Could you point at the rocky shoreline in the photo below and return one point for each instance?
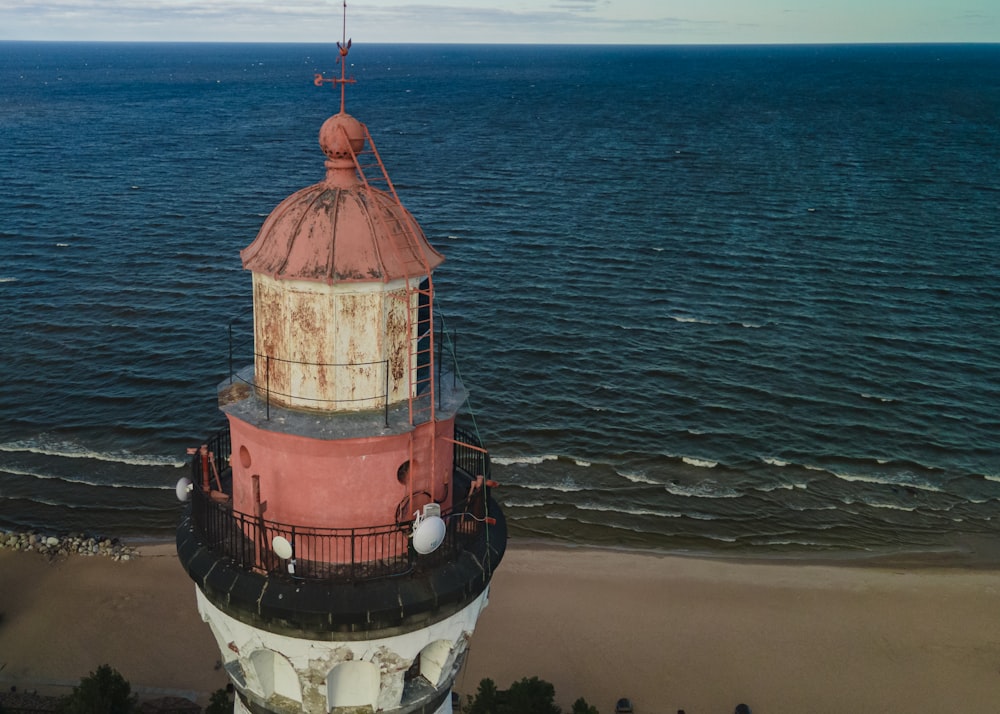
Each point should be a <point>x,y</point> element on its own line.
<point>57,546</point>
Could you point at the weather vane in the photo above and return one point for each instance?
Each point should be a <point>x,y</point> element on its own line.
<point>344,46</point>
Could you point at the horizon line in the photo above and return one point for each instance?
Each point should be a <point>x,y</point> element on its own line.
<point>837,43</point>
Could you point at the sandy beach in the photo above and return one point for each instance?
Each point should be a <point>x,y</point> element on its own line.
<point>670,632</point>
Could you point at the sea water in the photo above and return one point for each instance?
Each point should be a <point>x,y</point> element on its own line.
<point>711,299</point>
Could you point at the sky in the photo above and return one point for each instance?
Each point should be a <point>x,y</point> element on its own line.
<point>506,21</point>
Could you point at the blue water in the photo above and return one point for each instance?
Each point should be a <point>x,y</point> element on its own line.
<point>714,299</point>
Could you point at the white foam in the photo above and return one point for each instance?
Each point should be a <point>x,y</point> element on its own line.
<point>702,489</point>
<point>628,511</point>
<point>700,463</point>
<point>564,487</point>
<point>639,478</point>
<point>884,481</point>
<point>776,487</point>
<point>8,280</point>
<point>803,509</point>
<point>775,462</point>
<point>880,504</point>
<point>83,481</point>
<point>694,320</point>
<point>535,460</point>
<point>876,397</point>
<point>701,516</point>
<point>529,460</point>
<point>512,503</point>
<point>75,451</point>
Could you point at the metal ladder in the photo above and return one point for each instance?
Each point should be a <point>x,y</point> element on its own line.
<point>419,298</point>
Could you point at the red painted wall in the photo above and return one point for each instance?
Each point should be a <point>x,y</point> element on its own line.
<point>341,483</point>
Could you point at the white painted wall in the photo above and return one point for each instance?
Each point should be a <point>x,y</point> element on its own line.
<point>309,676</point>
<point>353,684</point>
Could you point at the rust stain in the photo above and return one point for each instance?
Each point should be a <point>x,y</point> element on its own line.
<point>232,393</point>
<point>395,335</point>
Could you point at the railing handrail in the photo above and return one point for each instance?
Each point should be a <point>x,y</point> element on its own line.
<point>445,341</point>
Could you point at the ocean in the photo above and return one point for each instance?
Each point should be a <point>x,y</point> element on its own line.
<point>720,300</point>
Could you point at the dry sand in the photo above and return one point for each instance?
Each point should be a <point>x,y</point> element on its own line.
<point>669,632</point>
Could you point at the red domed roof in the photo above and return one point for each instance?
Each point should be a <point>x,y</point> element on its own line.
<point>341,229</point>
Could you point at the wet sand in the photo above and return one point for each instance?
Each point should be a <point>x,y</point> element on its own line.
<point>670,632</point>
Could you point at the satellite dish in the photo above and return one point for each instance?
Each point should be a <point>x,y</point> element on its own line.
<point>282,548</point>
<point>183,490</point>
<point>428,530</point>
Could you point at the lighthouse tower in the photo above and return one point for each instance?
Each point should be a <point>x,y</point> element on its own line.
<point>340,530</point>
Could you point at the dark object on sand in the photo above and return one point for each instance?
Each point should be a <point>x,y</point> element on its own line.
<point>624,706</point>
<point>742,709</point>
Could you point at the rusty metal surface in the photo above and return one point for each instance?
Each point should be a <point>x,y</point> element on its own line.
<point>329,347</point>
<point>340,234</point>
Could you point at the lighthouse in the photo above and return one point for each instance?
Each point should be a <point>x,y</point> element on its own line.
<point>340,530</point>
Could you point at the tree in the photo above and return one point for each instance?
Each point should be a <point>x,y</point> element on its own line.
<point>219,703</point>
<point>103,692</point>
<point>485,701</point>
<point>531,696</point>
<point>580,706</point>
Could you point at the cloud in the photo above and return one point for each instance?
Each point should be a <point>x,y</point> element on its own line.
<point>568,19</point>
<point>299,20</point>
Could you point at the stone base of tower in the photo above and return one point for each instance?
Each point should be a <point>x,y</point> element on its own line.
<point>407,673</point>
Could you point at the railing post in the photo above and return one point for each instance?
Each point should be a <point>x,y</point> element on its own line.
<point>387,393</point>
<point>353,570</point>
<point>440,351</point>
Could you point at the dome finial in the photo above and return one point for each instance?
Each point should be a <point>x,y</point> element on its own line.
<point>344,46</point>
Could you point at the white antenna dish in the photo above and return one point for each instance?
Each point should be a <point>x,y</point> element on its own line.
<point>183,490</point>
<point>282,548</point>
<point>428,529</point>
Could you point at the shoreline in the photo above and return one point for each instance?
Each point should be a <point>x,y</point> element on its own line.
<point>670,632</point>
<point>942,557</point>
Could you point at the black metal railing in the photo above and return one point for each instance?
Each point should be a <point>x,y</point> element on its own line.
<point>218,449</point>
<point>342,554</point>
<point>470,456</point>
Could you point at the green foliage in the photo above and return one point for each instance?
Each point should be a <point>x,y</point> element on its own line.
<point>531,696</point>
<point>103,692</point>
<point>485,701</point>
<point>527,696</point>
<point>219,703</point>
<point>580,706</point>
